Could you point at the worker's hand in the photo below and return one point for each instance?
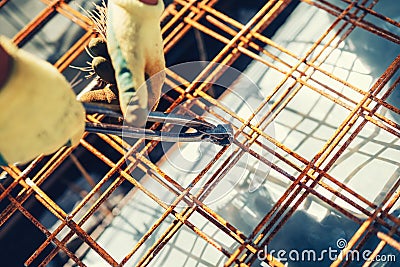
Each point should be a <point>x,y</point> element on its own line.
<point>101,65</point>
<point>39,112</point>
<point>133,48</point>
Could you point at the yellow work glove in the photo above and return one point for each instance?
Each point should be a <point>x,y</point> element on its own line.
<point>134,47</point>
<point>39,112</point>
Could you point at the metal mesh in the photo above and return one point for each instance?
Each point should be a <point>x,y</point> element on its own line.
<point>304,175</point>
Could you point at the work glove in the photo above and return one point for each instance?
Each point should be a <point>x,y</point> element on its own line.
<point>39,110</point>
<point>134,47</point>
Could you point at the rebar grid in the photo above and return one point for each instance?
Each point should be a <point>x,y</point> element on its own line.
<point>304,176</point>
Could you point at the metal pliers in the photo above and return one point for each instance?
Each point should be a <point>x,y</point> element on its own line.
<point>221,134</point>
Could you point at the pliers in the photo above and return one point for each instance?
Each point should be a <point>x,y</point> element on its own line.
<point>221,134</point>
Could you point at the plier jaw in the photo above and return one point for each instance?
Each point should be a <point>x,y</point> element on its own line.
<point>221,134</point>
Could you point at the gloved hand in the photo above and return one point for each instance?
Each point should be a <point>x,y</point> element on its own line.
<point>39,112</point>
<point>134,47</point>
<point>101,65</point>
